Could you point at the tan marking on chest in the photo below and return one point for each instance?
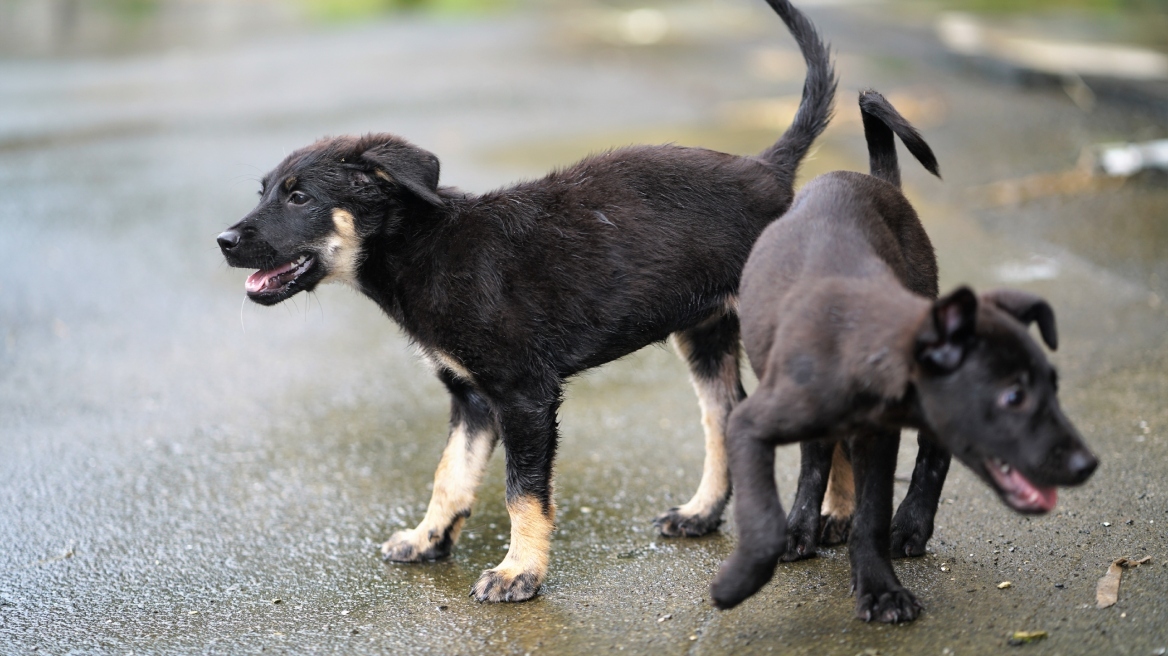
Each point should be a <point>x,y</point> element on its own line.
<point>341,251</point>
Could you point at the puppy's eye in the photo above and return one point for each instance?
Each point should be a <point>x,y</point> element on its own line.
<point>1012,398</point>
<point>298,198</point>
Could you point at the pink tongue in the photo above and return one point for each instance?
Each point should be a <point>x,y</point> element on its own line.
<point>259,280</point>
<point>1030,495</point>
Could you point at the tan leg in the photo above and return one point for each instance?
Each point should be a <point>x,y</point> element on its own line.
<point>839,502</point>
<point>520,575</point>
<point>458,476</point>
<point>714,400</point>
<point>712,353</point>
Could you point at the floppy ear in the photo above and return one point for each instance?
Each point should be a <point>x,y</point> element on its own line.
<point>947,333</point>
<point>409,166</point>
<point>1027,308</point>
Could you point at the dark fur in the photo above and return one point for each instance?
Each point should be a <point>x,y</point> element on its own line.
<point>526,286</point>
<point>913,524</point>
<point>843,347</point>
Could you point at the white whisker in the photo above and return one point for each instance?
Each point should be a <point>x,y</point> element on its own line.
<point>241,324</point>
<point>319,305</point>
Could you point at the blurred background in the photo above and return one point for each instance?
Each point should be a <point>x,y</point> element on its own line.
<point>182,471</point>
<point>104,27</point>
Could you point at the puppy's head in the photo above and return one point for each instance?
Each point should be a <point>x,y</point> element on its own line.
<point>987,389</point>
<point>319,207</point>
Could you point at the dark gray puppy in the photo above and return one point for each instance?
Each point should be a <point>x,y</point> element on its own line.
<point>843,349</point>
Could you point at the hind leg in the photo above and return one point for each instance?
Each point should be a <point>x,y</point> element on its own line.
<point>839,504</point>
<point>824,500</point>
<point>913,524</point>
<point>803,522</point>
<point>712,351</point>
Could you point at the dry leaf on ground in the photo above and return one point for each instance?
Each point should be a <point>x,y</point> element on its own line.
<point>1107,590</point>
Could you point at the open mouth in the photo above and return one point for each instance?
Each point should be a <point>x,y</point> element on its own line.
<point>279,280</point>
<point>1017,491</point>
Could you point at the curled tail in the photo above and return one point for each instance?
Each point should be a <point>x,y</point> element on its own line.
<point>881,121</point>
<point>818,92</point>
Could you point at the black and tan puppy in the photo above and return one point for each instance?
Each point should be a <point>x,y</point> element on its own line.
<point>843,347</point>
<point>511,292</point>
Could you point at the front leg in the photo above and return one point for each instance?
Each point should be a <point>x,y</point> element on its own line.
<point>913,525</point>
<point>473,433</point>
<point>529,437</point>
<point>879,594</point>
<point>757,509</point>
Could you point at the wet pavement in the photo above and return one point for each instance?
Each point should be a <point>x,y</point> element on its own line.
<point>182,472</point>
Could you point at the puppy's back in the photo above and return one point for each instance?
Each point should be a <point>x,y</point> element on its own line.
<point>844,224</point>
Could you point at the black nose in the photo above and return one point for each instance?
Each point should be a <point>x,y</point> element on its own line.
<point>228,239</point>
<point>1082,464</point>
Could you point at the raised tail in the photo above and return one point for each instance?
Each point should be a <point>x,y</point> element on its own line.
<point>881,121</point>
<point>818,92</point>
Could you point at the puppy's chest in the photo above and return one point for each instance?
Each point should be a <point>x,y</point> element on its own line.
<point>868,410</point>
<point>876,371</point>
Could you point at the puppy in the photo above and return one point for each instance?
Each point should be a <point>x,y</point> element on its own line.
<point>843,347</point>
<point>825,496</point>
<point>512,292</point>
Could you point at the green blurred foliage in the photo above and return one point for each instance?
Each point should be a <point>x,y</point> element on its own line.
<point>344,10</point>
<point>130,9</point>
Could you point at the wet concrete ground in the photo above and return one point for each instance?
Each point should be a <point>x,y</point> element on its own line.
<point>182,473</point>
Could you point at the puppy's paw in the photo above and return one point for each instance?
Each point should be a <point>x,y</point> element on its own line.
<point>802,537</point>
<point>503,585</point>
<point>834,530</point>
<point>889,606</point>
<point>677,524</point>
<point>415,546</point>
<point>799,547</point>
<point>910,534</point>
<point>740,577</point>
<point>907,543</point>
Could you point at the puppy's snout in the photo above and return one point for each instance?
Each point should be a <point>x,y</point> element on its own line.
<point>229,239</point>
<point>1081,464</point>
